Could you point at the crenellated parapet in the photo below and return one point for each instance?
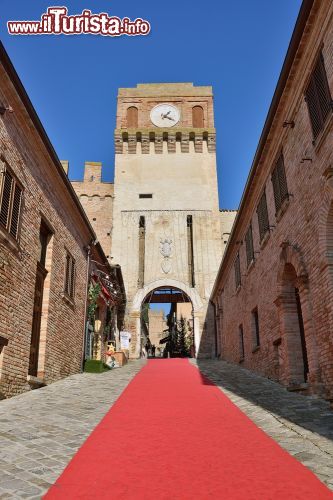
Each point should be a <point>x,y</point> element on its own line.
<point>158,141</point>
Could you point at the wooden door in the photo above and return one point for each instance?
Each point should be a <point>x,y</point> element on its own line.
<point>36,320</point>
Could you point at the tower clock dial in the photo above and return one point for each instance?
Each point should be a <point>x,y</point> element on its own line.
<point>165,115</point>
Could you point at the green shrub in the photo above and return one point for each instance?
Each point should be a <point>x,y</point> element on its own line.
<point>95,366</point>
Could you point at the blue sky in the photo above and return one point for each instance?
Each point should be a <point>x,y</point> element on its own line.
<point>238,47</point>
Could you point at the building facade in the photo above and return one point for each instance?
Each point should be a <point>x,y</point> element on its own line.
<point>48,251</point>
<point>273,295</point>
<point>167,226</point>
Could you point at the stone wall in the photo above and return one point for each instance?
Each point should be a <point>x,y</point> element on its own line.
<point>163,176</point>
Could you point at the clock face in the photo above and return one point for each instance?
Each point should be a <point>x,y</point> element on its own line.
<point>165,115</point>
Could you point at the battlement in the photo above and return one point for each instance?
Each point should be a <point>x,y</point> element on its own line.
<point>158,141</point>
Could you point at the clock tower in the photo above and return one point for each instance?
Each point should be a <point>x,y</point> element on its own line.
<point>167,226</point>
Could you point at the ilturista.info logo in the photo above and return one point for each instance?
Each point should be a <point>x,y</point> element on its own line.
<point>56,21</point>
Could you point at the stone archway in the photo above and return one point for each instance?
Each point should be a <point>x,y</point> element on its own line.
<point>141,294</point>
<point>298,340</point>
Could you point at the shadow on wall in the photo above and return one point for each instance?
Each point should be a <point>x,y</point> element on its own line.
<point>309,412</point>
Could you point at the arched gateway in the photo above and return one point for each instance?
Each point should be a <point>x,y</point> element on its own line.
<point>166,224</point>
<point>168,291</point>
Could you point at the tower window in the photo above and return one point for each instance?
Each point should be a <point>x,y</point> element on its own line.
<point>145,195</point>
<point>197,117</point>
<point>132,117</point>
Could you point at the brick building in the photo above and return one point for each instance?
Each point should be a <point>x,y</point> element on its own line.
<point>47,251</point>
<point>274,292</point>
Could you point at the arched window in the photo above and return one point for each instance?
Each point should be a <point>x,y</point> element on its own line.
<point>197,117</point>
<point>132,117</point>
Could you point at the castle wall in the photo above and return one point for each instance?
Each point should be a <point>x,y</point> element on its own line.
<point>96,197</point>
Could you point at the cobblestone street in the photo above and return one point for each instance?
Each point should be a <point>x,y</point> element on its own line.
<point>41,430</point>
<point>302,425</point>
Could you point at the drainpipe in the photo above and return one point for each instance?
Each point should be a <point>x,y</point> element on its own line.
<point>86,305</point>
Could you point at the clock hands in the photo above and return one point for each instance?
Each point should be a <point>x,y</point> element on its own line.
<point>165,115</point>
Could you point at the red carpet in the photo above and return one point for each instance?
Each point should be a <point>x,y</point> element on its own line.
<point>173,435</point>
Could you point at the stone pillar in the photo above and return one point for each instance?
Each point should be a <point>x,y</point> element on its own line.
<point>132,143</point>
<point>134,327</point>
<point>158,144</point>
<point>145,144</point>
<point>171,143</point>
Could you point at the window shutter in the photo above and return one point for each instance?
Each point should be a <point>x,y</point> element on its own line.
<point>249,245</point>
<point>6,198</point>
<point>322,87</point>
<point>263,216</point>
<point>313,107</point>
<point>16,209</point>
<point>281,172</point>
<point>279,182</point>
<point>318,97</point>
<point>276,189</point>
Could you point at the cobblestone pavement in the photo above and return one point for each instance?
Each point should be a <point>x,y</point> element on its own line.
<point>41,430</point>
<point>302,425</point>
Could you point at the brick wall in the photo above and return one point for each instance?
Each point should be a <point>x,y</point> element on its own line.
<point>297,251</point>
<point>47,195</point>
<point>96,198</point>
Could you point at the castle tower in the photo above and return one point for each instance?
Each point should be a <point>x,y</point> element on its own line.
<point>166,220</point>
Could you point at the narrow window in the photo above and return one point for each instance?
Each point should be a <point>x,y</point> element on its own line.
<point>142,237</point>
<point>318,97</point>
<point>197,117</point>
<point>10,203</point>
<point>263,216</point>
<point>249,245</point>
<point>69,288</point>
<point>132,117</point>
<point>241,343</point>
<point>145,195</point>
<point>191,277</point>
<point>238,279</point>
<point>279,182</point>
<point>255,328</point>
